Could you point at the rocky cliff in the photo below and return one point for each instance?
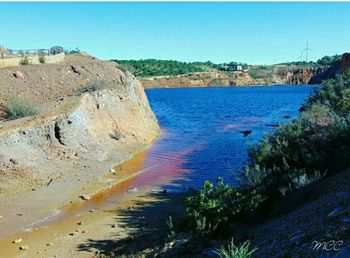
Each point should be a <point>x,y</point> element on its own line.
<point>204,79</point>
<point>91,116</point>
<point>339,67</point>
<point>275,75</point>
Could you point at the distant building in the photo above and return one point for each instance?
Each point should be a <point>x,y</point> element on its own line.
<point>224,66</point>
<point>231,67</point>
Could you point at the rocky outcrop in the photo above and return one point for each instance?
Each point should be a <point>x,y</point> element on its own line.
<point>75,135</point>
<point>314,75</point>
<point>295,76</point>
<point>330,72</point>
<point>205,79</point>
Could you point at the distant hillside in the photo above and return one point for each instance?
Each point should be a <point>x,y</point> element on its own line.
<point>324,61</point>
<point>153,67</point>
<point>179,74</point>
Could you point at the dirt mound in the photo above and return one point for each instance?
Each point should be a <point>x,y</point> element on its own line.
<point>83,104</point>
<point>48,82</point>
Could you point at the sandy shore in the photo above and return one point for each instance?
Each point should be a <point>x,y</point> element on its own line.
<point>73,227</point>
<point>101,231</point>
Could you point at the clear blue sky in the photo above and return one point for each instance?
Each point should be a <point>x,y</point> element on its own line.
<point>219,32</point>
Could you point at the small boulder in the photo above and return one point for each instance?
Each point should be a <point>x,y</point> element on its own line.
<point>112,170</point>
<point>246,132</point>
<point>13,161</point>
<point>18,75</point>
<point>84,197</point>
<point>24,247</point>
<point>75,69</point>
<point>132,190</point>
<point>18,240</point>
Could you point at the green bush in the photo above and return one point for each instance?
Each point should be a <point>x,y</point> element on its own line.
<point>20,107</point>
<point>217,82</point>
<point>41,58</point>
<point>171,229</point>
<point>328,60</point>
<point>95,86</point>
<point>209,210</point>
<point>233,251</point>
<point>24,61</point>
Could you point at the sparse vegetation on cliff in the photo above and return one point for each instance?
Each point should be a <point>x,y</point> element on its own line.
<point>24,61</point>
<point>261,72</point>
<point>96,86</point>
<point>20,107</point>
<point>41,58</point>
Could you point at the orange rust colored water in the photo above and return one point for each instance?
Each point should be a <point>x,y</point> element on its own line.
<point>125,173</point>
<point>142,172</point>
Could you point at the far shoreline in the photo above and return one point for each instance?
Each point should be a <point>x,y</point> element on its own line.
<point>232,86</point>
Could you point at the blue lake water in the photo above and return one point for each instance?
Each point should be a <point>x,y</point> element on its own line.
<point>202,129</point>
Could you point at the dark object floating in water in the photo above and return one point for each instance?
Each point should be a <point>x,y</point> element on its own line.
<point>286,117</point>
<point>246,133</point>
<point>272,125</point>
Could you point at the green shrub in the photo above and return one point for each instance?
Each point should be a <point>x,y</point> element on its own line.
<point>24,61</point>
<point>41,58</point>
<point>209,210</point>
<point>19,107</point>
<point>171,229</point>
<point>233,251</point>
<point>260,72</point>
<point>217,82</point>
<point>94,86</point>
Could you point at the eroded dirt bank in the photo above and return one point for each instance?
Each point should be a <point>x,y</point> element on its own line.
<point>270,75</point>
<point>91,116</point>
